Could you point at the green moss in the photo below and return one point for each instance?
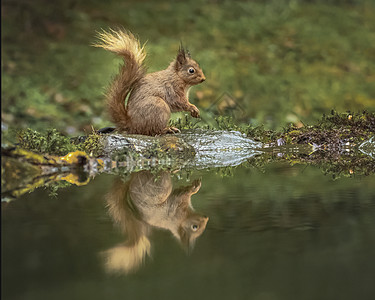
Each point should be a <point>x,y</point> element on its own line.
<point>50,142</point>
<point>92,145</point>
<point>333,130</point>
<point>55,143</point>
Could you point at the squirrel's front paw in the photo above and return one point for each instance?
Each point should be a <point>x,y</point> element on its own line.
<point>194,111</point>
<point>170,130</point>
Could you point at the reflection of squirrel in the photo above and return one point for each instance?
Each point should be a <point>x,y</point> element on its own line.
<point>145,202</point>
<point>151,97</point>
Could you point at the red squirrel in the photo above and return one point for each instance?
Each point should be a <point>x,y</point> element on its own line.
<point>147,202</point>
<point>153,96</point>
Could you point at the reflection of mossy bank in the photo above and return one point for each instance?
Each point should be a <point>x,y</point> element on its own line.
<point>23,171</point>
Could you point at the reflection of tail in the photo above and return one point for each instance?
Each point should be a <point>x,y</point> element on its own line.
<point>125,259</point>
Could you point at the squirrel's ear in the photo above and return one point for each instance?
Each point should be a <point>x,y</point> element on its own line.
<point>181,57</point>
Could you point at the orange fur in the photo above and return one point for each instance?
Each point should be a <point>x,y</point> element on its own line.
<point>145,202</point>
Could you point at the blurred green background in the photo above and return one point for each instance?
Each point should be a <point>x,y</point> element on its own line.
<point>270,62</point>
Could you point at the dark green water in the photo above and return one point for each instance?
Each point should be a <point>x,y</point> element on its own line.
<point>281,233</point>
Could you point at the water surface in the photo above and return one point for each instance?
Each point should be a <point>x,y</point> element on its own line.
<point>282,232</point>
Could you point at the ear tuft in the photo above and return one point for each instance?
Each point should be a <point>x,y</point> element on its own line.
<point>181,56</point>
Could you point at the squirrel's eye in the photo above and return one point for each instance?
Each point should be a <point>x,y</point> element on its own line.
<point>191,70</point>
<point>194,227</point>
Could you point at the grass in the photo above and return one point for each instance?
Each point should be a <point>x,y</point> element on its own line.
<point>282,62</point>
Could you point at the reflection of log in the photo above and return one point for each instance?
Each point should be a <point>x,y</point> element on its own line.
<point>368,147</point>
<point>199,149</point>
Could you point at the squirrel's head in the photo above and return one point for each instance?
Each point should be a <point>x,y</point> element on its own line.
<point>190,229</point>
<point>188,69</point>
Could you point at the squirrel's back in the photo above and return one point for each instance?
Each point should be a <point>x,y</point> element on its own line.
<point>126,45</point>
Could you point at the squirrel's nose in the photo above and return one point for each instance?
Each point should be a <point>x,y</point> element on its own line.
<point>203,79</point>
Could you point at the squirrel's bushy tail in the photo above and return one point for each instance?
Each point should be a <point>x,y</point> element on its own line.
<point>127,259</point>
<point>129,256</point>
<point>125,44</point>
